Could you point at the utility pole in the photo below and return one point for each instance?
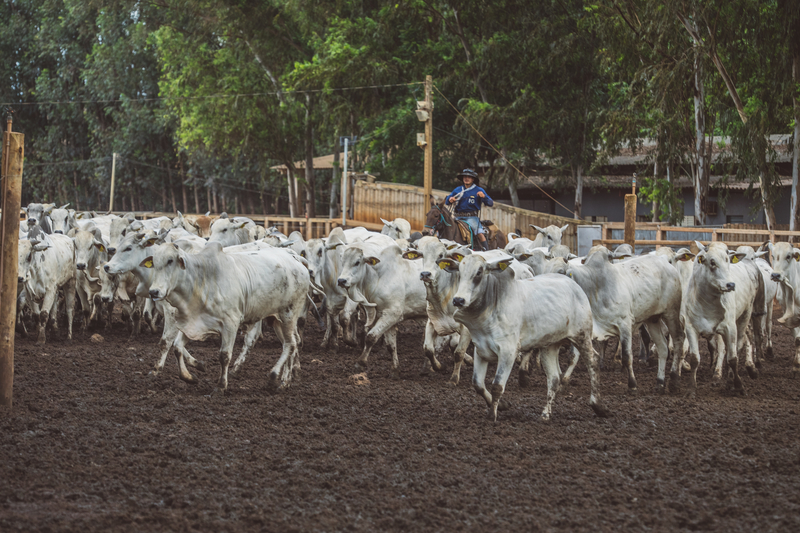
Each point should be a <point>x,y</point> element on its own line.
<point>630,215</point>
<point>427,107</point>
<point>11,182</point>
<point>113,168</point>
<point>345,178</point>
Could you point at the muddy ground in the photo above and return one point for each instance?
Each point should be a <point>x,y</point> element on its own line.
<point>94,443</point>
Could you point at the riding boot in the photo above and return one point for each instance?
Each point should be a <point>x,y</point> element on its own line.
<point>483,245</point>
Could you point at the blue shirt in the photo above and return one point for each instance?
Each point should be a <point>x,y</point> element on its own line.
<point>470,201</point>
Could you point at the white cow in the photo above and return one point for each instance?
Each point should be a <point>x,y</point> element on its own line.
<point>388,286</point>
<point>719,300</point>
<point>199,225</point>
<point>626,295</point>
<point>398,228</point>
<point>215,293</point>
<point>229,231</point>
<point>62,220</point>
<point>90,255</point>
<point>44,268</point>
<point>500,314</point>
<point>123,286</point>
<point>133,249</point>
<point>786,275</point>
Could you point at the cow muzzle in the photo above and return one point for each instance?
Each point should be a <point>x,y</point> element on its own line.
<point>155,294</point>
<point>31,221</point>
<point>106,299</point>
<point>729,287</point>
<point>459,302</point>
<point>776,277</point>
<point>425,276</point>
<point>20,279</point>
<point>342,282</point>
<point>81,266</point>
<point>111,250</point>
<point>105,267</point>
<point>59,232</point>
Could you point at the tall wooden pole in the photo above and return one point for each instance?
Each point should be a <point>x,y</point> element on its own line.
<point>428,176</point>
<point>13,157</point>
<point>630,216</point>
<point>113,169</point>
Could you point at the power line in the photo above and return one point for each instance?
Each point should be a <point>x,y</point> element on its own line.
<point>211,96</point>
<point>499,153</point>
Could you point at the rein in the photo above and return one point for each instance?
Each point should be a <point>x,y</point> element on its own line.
<point>442,220</point>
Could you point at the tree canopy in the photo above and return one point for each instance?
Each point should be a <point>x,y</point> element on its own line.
<point>201,98</point>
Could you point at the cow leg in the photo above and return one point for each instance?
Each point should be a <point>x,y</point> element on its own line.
<point>280,375</point>
<point>85,308</point>
<point>654,328</point>
<point>47,304</point>
<point>745,330</point>
<point>644,344</point>
<point>505,363</point>
<point>429,346</point>
<point>69,303</point>
<point>525,368</point>
<point>796,360</point>
<point>575,356</point>
<point>390,338</point>
<point>229,329</point>
<point>251,335</point>
<point>583,348</point>
<point>731,339</point>
<point>480,365</point>
<point>549,359</point>
<point>383,324</point>
<point>627,356</point>
<point>720,349</point>
<point>459,355</point>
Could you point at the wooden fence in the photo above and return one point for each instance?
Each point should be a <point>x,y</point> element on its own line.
<point>733,235</point>
<point>373,201</point>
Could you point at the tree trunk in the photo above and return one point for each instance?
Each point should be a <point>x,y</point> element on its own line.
<point>333,205</point>
<point>183,190</point>
<point>292,185</point>
<point>577,172</point>
<point>701,166</point>
<point>310,185</point>
<point>796,148</point>
<point>510,178</point>
<point>214,197</point>
<point>208,200</point>
<point>77,192</point>
<point>171,189</point>
<point>656,213</point>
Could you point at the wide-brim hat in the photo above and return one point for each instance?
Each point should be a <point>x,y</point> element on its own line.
<point>468,172</point>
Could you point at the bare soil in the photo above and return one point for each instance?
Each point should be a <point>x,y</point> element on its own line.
<point>94,443</point>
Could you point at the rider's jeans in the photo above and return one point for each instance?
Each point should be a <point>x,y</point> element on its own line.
<point>474,223</point>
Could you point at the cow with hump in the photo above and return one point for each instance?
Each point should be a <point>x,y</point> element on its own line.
<point>625,295</point>
<point>507,316</point>
<point>215,293</point>
<point>786,273</point>
<point>719,300</point>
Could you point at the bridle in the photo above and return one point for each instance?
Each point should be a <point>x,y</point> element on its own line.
<point>442,221</point>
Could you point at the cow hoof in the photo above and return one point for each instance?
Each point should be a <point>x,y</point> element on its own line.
<point>770,355</point>
<point>565,384</point>
<point>503,405</point>
<point>716,381</point>
<point>633,392</point>
<point>759,365</point>
<point>690,394</point>
<point>752,372</point>
<point>394,373</point>
<point>601,410</point>
<point>662,390</point>
<point>545,418</point>
<point>468,359</point>
<point>190,379</point>
<point>453,382</point>
<point>200,366</point>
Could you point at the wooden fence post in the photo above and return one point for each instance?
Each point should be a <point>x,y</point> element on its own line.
<point>13,157</point>
<point>630,220</point>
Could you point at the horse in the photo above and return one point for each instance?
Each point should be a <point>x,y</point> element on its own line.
<point>440,220</point>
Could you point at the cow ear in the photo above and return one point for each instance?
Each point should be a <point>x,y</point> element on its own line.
<point>448,265</point>
<point>564,228</point>
<point>500,265</point>
<point>458,256</point>
<point>522,257</point>
<point>761,253</point>
<point>147,263</point>
<point>99,246</point>
<point>537,228</point>
<point>701,259</point>
<point>182,262</point>
<point>796,255</point>
<point>150,242</point>
<point>687,256</point>
<point>372,261</point>
<point>243,224</point>
<point>412,254</point>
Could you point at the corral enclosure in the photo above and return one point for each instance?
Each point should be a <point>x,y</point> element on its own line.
<point>95,444</point>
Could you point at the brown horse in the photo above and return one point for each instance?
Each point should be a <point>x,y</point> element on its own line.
<point>440,220</point>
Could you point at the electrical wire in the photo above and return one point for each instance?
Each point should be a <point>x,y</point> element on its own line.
<point>499,153</point>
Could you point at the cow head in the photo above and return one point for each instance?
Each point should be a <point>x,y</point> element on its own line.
<point>785,258</point>
<point>133,248</point>
<point>230,231</point>
<point>431,251</point>
<point>62,220</point>
<point>89,248</point>
<point>551,235</point>
<point>476,274</point>
<point>109,283</point>
<point>166,264</point>
<point>119,228</point>
<point>354,266</point>
<point>27,253</point>
<point>712,268</point>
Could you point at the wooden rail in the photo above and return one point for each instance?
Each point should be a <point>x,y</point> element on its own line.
<point>747,236</point>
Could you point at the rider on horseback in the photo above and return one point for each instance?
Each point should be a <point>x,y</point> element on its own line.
<point>470,196</point>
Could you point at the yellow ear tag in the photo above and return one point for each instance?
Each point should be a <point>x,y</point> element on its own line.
<point>734,260</point>
<point>148,264</point>
<point>502,266</point>
<point>458,257</point>
<point>797,257</point>
<point>102,248</point>
<point>412,255</point>
<point>701,259</point>
<point>444,265</point>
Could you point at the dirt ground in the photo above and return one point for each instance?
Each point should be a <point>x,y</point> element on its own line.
<point>94,443</point>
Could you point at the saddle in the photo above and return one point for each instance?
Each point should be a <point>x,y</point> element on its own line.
<point>466,231</point>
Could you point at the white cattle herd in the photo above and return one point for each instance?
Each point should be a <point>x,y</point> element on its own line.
<point>214,276</point>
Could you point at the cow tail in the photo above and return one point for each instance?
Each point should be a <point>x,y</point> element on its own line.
<point>320,322</point>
